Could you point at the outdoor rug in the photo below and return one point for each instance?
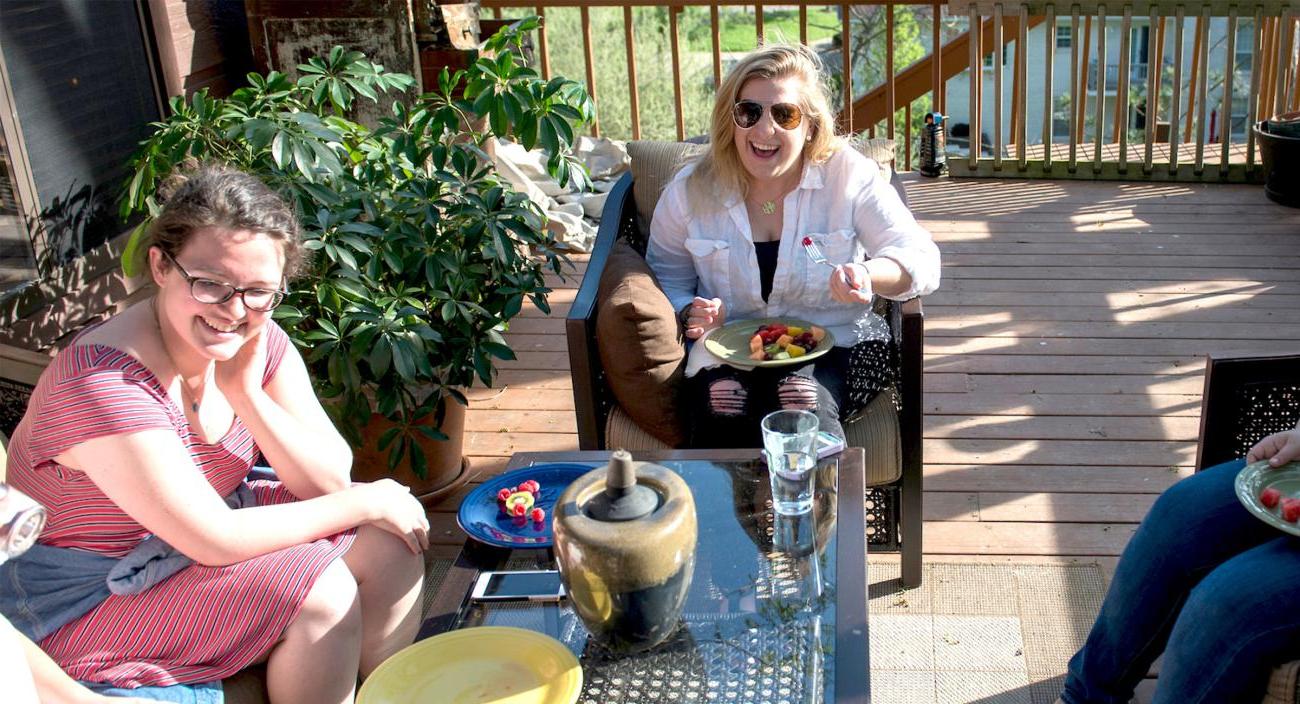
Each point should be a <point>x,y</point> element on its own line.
<point>986,633</point>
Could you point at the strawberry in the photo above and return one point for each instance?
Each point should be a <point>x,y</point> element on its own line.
<point>1269,497</point>
<point>537,514</point>
<point>1290,510</point>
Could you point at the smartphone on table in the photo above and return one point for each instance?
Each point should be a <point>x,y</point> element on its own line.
<point>828,444</point>
<point>527,585</point>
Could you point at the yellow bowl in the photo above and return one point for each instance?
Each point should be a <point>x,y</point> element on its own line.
<point>493,664</point>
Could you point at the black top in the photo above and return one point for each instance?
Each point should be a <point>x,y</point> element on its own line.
<point>766,252</point>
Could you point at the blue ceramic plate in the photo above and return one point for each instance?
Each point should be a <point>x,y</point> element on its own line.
<point>481,517</point>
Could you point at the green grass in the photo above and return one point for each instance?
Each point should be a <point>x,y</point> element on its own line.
<point>737,28</point>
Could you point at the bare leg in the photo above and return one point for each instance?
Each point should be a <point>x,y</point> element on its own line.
<point>390,580</point>
<point>316,660</point>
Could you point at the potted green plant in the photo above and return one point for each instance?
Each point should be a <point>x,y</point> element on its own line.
<point>422,254</point>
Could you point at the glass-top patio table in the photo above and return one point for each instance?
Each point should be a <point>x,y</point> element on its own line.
<point>777,608</point>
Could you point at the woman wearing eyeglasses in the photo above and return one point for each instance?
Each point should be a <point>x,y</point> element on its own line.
<point>727,243</point>
<point>148,425</point>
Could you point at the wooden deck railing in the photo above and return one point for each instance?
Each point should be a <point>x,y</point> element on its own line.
<point>1197,145</point>
<point>1198,130</point>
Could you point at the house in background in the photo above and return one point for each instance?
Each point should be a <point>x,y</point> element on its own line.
<point>1140,37</point>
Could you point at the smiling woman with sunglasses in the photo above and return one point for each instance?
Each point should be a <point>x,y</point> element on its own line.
<point>747,231</point>
<point>148,424</point>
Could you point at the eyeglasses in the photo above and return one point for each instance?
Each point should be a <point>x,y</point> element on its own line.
<point>209,291</point>
<point>747,113</point>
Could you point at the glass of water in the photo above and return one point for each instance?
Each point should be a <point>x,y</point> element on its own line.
<point>790,444</point>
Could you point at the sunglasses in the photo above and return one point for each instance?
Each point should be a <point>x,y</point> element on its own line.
<point>747,113</point>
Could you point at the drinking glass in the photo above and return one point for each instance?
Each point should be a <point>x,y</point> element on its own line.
<point>790,444</point>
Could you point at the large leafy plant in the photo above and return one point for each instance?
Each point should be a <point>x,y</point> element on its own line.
<point>422,254</point>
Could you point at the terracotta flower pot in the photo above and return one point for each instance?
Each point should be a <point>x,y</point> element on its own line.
<point>448,469</point>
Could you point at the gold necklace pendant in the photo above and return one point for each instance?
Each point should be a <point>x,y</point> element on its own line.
<point>768,207</point>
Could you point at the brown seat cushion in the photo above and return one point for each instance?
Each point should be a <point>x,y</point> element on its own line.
<point>653,166</point>
<point>641,344</point>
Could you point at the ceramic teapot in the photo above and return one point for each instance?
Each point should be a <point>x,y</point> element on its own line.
<point>625,541</point>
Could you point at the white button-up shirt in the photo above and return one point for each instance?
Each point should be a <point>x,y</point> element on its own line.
<point>844,204</point>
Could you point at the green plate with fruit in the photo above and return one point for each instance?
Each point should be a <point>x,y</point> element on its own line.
<point>1255,479</point>
<point>731,342</point>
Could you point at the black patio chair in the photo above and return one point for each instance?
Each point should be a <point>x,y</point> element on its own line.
<point>1247,399</point>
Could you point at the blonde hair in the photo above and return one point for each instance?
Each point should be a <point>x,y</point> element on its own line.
<point>719,171</point>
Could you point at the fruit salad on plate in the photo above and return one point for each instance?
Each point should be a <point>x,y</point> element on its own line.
<point>778,341</point>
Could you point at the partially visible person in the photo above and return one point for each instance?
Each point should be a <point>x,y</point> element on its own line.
<point>27,674</point>
<point>138,441</point>
<point>727,243</point>
<point>1207,584</point>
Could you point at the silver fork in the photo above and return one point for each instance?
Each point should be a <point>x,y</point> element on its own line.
<point>815,252</point>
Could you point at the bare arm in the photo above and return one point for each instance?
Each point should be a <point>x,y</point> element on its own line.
<point>151,476</point>
<point>287,422</point>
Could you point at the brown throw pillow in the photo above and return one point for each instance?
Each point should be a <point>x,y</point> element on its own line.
<point>641,344</point>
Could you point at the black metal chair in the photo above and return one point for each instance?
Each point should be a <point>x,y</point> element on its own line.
<point>892,438</point>
<point>1247,399</point>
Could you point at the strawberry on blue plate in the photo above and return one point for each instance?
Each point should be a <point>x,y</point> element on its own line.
<point>482,518</point>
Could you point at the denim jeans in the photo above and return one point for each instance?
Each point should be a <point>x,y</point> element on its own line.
<point>1208,584</point>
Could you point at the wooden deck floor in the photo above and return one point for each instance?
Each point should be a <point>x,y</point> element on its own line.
<point>1064,355</point>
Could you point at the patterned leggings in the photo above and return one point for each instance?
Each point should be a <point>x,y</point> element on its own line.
<point>728,403</point>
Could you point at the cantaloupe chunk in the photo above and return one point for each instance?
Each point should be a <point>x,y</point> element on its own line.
<point>784,340</point>
<point>756,343</point>
<point>817,333</point>
<point>759,355</point>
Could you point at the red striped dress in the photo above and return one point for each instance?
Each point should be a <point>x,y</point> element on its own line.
<point>201,624</point>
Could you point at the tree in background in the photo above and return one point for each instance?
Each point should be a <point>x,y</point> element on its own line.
<point>654,69</point>
<point>654,58</point>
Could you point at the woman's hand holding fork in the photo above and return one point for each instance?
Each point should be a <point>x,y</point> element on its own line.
<point>851,283</point>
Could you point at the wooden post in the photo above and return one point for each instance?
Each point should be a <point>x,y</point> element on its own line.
<point>629,36</point>
<point>591,65</point>
<point>1049,55</point>
<point>976,33</point>
<point>673,43</point>
<point>541,42</point>
<point>998,19</point>
<point>1191,78</point>
<point>890,107</point>
<point>846,56</point>
<point>1082,105</point>
<point>1228,71</point>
